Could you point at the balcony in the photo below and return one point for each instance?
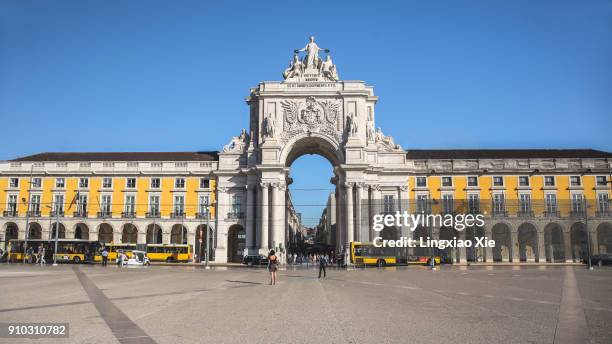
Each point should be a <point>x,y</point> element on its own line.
<point>80,213</point>
<point>152,214</point>
<point>577,214</point>
<point>9,213</point>
<point>525,213</point>
<point>552,213</point>
<point>603,213</point>
<point>56,213</point>
<point>204,215</point>
<point>105,214</point>
<point>34,213</point>
<point>128,214</point>
<point>499,213</point>
<point>235,215</point>
<point>177,215</point>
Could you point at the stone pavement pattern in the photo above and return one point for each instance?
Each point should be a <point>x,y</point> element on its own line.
<point>163,304</point>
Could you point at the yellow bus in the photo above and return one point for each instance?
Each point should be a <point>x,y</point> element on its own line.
<point>113,248</point>
<point>68,250</point>
<point>170,253</point>
<point>365,253</point>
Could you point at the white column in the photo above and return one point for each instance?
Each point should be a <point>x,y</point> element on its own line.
<point>541,254</point>
<point>250,230</point>
<point>350,234</point>
<point>280,218</point>
<point>376,207</point>
<point>358,212</point>
<point>488,257</point>
<point>515,255</point>
<point>264,218</point>
<point>568,247</point>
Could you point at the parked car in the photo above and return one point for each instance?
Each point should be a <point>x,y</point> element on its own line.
<point>255,259</point>
<point>605,259</point>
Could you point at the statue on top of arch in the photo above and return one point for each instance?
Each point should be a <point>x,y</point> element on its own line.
<point>237,143</point>
<point>311,67</point>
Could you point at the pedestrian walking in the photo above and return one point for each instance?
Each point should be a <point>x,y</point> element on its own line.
<point>42,253</point>
<point>272,267</point>
<point>104,257</point>
<point>322,264</point>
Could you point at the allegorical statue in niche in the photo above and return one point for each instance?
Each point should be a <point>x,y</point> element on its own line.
<point>295,69</point>
<point>268,126</point>
<point>312,53</point>
<point>351,125</point>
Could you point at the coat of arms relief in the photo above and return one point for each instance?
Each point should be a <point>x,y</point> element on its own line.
<point>311,116</point>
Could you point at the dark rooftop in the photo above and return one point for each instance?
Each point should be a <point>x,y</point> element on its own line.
<point>122,156</point>
<point>505,153</point>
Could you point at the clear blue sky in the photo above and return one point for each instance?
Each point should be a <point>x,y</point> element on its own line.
<point>173,75</point>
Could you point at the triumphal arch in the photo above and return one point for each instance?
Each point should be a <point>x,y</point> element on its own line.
<point>311,111</point>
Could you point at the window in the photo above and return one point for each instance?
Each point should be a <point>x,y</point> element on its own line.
<point>13,182</point>
<point>130,204</point>
<point>154,205</point>
<point>388,204</point>
<point>83,182</point>
<point>575,181</point>
<point>36,182</point>
<point>204,183</point>
<point>203,204</point>
<point>130,183</point>
<point>499,206</point>
<point>105,205</point>
<point>422,204</point>
<point>421,182</point>
<point>447,181</point>
<point>132,164</point>
<point>472,181</point>
<point>35,205</point>
<point>58,204</point>
<point>156,164</point>
<point>523,181</point>
<point>577,203</point>
<point>473,203</point>
<point>180,164</point>
<point>108,164</point>
<point>155,183</point>
<point>107,183</point>
<point>603,202</point>
<point>551,203</point>
<point>447,202</point>
<point>179,205</point>
<point>179,183</point>
<point>60,182</point>
<point>498,181</point>
<point>525,203</point>
<point>549,181</point>
<point>11,206</point>
<point>82,205</point>
<point>236,205</point>
<point>601,181</point>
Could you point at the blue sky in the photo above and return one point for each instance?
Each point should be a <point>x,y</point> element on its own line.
<point>173,75</point>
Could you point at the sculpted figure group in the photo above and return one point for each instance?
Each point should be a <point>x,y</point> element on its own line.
<point>311,61</point>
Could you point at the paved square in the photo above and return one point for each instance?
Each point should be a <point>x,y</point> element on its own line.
<point>166,304</point>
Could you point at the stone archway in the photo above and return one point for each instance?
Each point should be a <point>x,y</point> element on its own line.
<point>527,242</point>
<point>421,233</point>
<point>236,244</point>
<point>129,234</point>
<point>178,234</point>
<point>554,243</point>
<point>154,234</point>
<point>579,239</point>
<point>62,231</point>
<point>604,238</point>
<point>81,231</point>
<point>502,252</point>
<point>200,248</point>
<point>11,231</point>
<point>35,231</point>
<point>105,233</point>
<point>448,255</point>
<point>474,254</point>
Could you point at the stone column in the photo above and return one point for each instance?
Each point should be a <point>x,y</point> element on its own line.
<point>280,217</point>
<point>358,212</point>
<point>141,237</point>
<point>462,250</point>
<point>567,244</point>
<point>264,219</point>
<point>376,207</point>
<point>594,243</point>
<point>250,230</point>
<point>488,257</point>
<point>403,206</point>
<point>165,237</point>
<point>350,234</point>
<point>541,254</point>
<point>515,255</point>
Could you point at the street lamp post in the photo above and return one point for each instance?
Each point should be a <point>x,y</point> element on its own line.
<point>207,233</point>
<point>586,223</point>
<point>27,221</point>
<point>57,206</point>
